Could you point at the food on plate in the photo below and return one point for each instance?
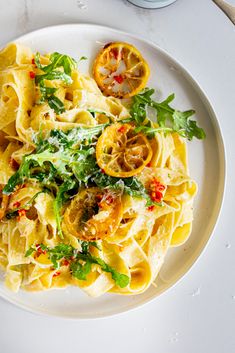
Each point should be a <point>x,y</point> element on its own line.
<point>121,152</point>
<point>120,70</point>
<point>92,192</point>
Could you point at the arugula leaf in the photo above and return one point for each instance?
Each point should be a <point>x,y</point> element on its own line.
<point>57,61</point>
<point>85,168</point>
<point>120,279</point>
<point>168,118</point>
<point>46,92</point>
<point>132,186</point>
<point>60,162</point>
<point>64,161</point>
<point>82,58</point>
<point>56,104</point>
<point>30,251</point>
<point>61,150</point>
<point>37,61</point>
<point>86,244</point>
<point>54,75</point>
<point>80,271</point>
<point>150,130</point>
<point>18,178</point>
<point>80,262</point>
<point>59,252</point>
<point>140,102</point>
<point>81,133</point>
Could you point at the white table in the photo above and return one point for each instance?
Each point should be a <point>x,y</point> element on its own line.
<point>198,314</point>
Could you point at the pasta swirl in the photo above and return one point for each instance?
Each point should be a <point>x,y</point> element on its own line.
<point>75,207</point>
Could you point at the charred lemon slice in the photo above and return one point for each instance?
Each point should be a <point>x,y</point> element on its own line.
<point>93,214</point>
<point>122,153</point>
<point>120,70</point>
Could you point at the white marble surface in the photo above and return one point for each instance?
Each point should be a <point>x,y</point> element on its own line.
<point>198,314</point>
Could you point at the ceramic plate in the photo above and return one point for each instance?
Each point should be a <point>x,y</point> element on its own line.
<point>206,159</point>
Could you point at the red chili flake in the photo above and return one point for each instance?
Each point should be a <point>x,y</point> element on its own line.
<point>151,208</point>
<point>121,129</point>
<point>99,198</point>
<point>161,187</point>
<point>109,199</point>
<point>57,273</point>
<point>119,79</point>
<point>16,204</point>
<point>33,61</point>
<point>22,213</point>
<point>156,196</point>
<point>102,171</point>
<point>32,74</point>
<point>65,262</point>
<point>155,185</point>
<point>39,250</point>
<point>156,189</point>
<point>148,165</point>
<point>13,163</point>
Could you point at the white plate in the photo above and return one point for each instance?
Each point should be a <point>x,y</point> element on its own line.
<point>206,158</point>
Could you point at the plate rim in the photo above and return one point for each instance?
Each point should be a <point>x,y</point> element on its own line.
<point>222,161</point>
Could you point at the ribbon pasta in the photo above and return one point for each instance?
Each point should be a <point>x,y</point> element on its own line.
<point>139,244</point>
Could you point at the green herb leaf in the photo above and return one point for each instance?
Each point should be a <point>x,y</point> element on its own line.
<point>54,75</point>
<point>59,252</point>
<point>61,162</point>
<point>132,186</point>
<point>82,58</point>
<point>150,130</point>
<point>30,251</point>
<point>168,118</point>
<point>46,92</point>
<point>86,244</point>
<point>58,61</point>
<point>80,271</point>
<point>56,104</point>
<point>37,61</point>
<point>18,178</point>
<point>80,262</point>
<point>120,279</point>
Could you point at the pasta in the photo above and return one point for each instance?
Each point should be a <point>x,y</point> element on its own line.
<point>86,198</point>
